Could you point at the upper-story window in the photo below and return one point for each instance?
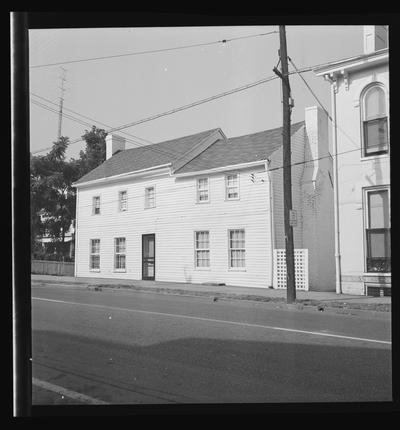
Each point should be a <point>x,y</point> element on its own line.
<point>96,205</point>
<point>232,187</point>
<point>150,198</point>
<point>123,201</point>
<point>203,194</point>
<point>374,122</point>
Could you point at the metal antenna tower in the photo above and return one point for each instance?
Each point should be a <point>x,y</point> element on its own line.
<point>63,79</point>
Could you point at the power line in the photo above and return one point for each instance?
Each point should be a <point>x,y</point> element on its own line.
<point>192,185</point>
<point>145,147</point>
<point>91,119</point>
<point>154,51</point>
<point>320,103</point>
<point>175,110</point>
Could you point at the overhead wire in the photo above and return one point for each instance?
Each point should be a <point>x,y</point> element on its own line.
<point>153,51</point>
<point>178,109</point>
<point>320,103</point>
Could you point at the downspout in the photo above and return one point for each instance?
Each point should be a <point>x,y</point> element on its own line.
<point>333,83</point>
<point>76,230</point>
<point>271,220</point>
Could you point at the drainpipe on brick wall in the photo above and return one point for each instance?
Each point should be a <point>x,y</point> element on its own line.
<point>335,187</point>
<point>271,219</point>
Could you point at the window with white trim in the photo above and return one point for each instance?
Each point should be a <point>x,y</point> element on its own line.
<point>374,122</point>
<point>119,253</point>
<point>150,198</point>
<point>202,187</point>
<point>96,205</point>
<point>378,249</point>
<point>237,249</point>
<point>123,201</point>
<point>232,187</point>
<point>94,262</point>
<point>202,249</point>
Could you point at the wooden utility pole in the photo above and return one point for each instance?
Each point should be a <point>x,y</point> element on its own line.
<point>287,170</point>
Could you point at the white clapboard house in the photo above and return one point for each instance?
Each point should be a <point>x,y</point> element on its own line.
<point>206,208</point>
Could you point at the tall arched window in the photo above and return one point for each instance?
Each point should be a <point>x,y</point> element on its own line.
<point>375,124</point>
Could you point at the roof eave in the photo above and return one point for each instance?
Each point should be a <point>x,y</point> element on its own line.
<point>162,167</point>
<point>354,63</point>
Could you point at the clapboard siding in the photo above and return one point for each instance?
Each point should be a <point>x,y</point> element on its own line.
<point>173,221</point>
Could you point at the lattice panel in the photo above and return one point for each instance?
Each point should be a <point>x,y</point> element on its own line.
<point>300,268</point>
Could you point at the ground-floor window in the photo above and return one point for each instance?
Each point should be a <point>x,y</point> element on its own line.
<point>202,249</point>
<point>119,254</point>
<point>377,217</point>
<point>237,249</point>
<point>94,254</point>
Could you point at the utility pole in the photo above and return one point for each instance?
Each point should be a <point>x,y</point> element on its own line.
<point>287,172</point>
<point>63,79</point>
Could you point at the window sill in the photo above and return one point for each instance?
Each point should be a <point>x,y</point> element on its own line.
<point>236,270</point>
<point>94,270</point>
<point>233,200</point>
<point>203,203</point>
<point>374,157</point>
<point>203,269</point>
<point>150,207</point>
<point>377,274</point>
<point>119,270</point>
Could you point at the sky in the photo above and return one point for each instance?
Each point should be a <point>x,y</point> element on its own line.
<point>121,90</point>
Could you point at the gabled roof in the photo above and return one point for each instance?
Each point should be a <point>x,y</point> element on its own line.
<point>223,152</point>
<point>144,157</point>
<point>237,150</point>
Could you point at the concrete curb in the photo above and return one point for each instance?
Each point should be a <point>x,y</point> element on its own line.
<point>339,305</point>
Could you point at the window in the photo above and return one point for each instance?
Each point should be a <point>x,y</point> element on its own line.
<point>123,201</point>
<point>202,190</point>
<point>375,122</point>
<point>96,205</point>
<point>237,251</point>
<point>202,249</point>
<point>119,253</point>
<point>378,258</point>
<point>94,254</point>
<point>150,198</point>
<point>232,187</point>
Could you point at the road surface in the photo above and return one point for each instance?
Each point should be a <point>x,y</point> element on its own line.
<point>123,347</point>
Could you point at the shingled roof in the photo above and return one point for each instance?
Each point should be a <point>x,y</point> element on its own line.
<point>237,150</point>
<point>224,152</point>
<point>143,157</point>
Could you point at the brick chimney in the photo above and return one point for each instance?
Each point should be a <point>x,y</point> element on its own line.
<point>114,143</point>
<point>375,38</point>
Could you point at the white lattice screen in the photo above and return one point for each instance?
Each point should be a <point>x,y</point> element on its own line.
<point>300,268</point>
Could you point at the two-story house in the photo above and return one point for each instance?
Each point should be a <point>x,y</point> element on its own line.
<point>206,208</point>
<point>361,123</point>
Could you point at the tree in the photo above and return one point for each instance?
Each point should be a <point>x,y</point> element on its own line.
<point>52,195</point>
<point>95,150</point>
<point>53,199</point>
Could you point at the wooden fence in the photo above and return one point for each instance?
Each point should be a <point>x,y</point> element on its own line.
<point>59,268</point>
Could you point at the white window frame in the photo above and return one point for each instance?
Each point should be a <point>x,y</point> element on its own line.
<point>198,250</point>
<point>363,96</point>
<point>94,254</point>
<point>230,249</point>
<point>202,190</point>
<point>121,201</point>
<point>146,197</point>
<point>227,187</point>
<point>94,199</point>
<point>366,214</point>
<point>119,253</point>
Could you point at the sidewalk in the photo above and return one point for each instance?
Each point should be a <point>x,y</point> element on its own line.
<point>319,299</point>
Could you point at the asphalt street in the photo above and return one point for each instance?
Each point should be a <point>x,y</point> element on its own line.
<point>125,347</point>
